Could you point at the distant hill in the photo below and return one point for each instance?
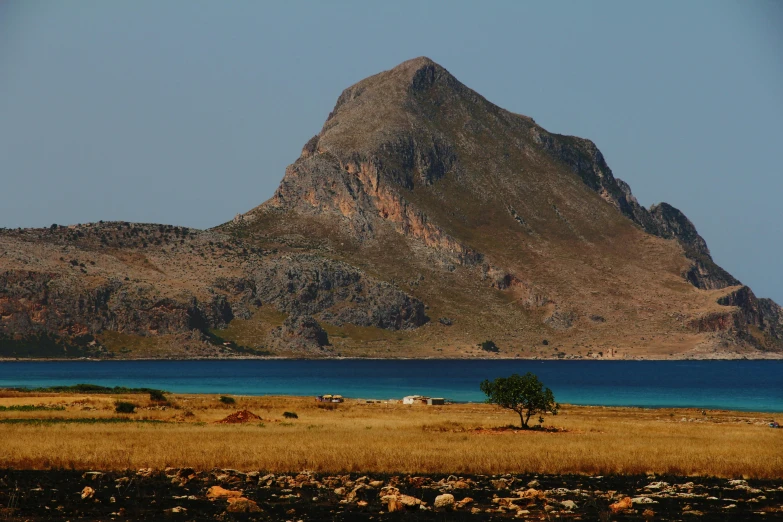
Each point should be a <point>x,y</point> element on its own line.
<point>421,221</point>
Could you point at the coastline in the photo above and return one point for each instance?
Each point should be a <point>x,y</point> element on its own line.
<point>738,357</point>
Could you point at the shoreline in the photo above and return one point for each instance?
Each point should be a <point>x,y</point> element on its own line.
<point>772,357</point>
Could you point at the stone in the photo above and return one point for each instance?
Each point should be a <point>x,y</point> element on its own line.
<point>393,504</point>
<point>87,492</point>
<point>533,484</point>
<point>176,510</point>
<point>568,505</point>
<point>532,494</point>
<point>409,501</point>
<point>242,505</point>
<point>499,484</point>
<point>217,492</point>
<point>445,501</point>
<point>643,500</point>
<point>623,505</point>
<point>464,502</point>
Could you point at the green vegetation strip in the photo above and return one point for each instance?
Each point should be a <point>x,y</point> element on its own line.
<point>30,407</point>
<point>88,388</point>
<point>60,420</point>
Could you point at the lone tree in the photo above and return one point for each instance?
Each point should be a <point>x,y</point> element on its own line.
<point>524,394</point>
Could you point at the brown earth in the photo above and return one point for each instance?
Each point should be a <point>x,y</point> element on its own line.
<point>420,221</point>
<point>240,417</point>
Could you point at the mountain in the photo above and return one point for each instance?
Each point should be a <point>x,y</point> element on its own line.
<point>421,221</point>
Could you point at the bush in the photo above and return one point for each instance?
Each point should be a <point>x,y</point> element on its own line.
<point>124,407</point>
<point>227,400</point>
<point>489,346</point>
<point>290,415</point>
<point>157,396</point>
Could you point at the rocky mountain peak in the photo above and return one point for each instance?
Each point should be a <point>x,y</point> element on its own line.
<point>418,200</point>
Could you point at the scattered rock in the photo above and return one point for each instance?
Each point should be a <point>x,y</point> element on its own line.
<point>87,492</point>
<point>409,501</point>
<point>622,505</point>
<point>500,483</point>
<point>445,501</point>
<point>568,505</point>
<point>464,502</point>
<point>242,505</point>
<point>643,500</point>
<point>217,492</point>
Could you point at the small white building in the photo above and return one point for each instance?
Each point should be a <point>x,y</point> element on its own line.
<point>414,399</point>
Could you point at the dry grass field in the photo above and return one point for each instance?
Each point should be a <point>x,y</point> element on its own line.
<point>380,437</point>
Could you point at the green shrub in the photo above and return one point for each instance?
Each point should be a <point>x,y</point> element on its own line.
<point>290,415</point>
<point>227,400</point>
<point>124,407</point>
<point>489,346</point>
<point>157,396</point>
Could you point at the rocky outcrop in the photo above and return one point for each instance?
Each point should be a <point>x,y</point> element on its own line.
<point>336,293</point>
<point>663,220</point>
<point>764,315</point>
<point>33,303</point>
<point>704,273</point>
<point>299,333</point>
<point>756,321</point>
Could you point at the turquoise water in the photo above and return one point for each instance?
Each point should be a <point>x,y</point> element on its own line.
<point>738,385</point>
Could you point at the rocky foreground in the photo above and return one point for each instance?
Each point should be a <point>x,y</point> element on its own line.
<point>186,494</point>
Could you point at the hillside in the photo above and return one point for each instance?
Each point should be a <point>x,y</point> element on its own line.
<point>420,221</point>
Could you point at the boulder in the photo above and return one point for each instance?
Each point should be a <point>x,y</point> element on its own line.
<point>445,501</point>
<point>217,492</point>
<point>242,505</point>
<point>464,502</point>
<point>409,501</point>
<point>568,505</point>
<point>87,492</point>
<point>622,505</point>
<point>393,504</point>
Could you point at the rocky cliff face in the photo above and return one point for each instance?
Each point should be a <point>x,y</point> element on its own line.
<point>662,220</point>
<point>100,286</point>
<point>417,198</point>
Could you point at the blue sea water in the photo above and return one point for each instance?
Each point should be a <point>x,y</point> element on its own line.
<point>737,385</point>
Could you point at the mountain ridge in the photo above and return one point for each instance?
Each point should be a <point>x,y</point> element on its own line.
<point>421,220</point>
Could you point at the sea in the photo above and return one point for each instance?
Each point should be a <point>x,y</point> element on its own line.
<point>735,385</point>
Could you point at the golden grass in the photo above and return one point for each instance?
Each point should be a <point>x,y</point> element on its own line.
<point>391,438</point>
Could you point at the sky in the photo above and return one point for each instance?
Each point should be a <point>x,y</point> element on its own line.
<point>187,112</point>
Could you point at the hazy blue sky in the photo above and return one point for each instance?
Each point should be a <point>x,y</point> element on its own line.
<point>187,112</point>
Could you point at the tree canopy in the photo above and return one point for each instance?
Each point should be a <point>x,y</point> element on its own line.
<point>524,394</point>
